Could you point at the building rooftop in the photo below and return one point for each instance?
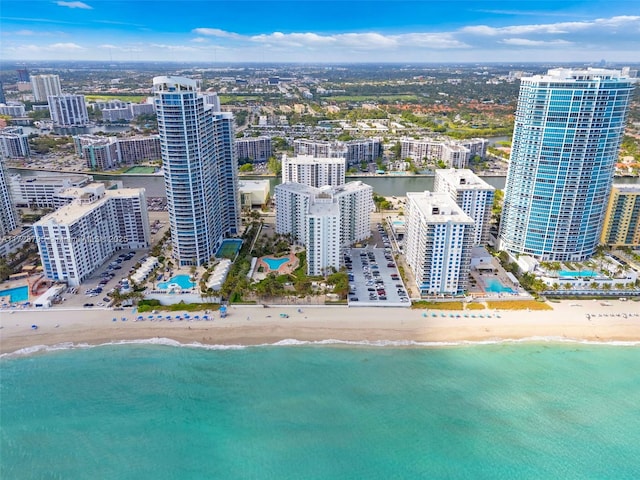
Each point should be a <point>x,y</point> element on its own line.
<point>85,204</point>
<point>463,178</point>
<point>438,207</point>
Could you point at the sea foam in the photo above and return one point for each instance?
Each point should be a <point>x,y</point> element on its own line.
<point>292,342</point>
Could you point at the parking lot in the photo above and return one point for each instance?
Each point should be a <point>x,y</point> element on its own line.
<point>93,291</point>
<point>374,279</point>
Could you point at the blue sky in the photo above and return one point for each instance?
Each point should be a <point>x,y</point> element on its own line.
<point>321,31</point>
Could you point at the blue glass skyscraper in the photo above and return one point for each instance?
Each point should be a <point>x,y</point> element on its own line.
<point>200,171</point>
<point>568,129</point>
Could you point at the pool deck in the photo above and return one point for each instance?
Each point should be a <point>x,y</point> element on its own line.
<point>286,267</point>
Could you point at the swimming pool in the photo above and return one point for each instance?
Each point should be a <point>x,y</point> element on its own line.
<point>581,273</point>
<point>182,281</point>
<point>16,294</point>
<point>493,285</point>
<point>275,263</point>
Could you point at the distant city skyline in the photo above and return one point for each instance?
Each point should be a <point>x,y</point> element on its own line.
<point>321,31</point>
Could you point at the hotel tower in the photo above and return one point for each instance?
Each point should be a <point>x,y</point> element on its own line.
<point>200,171</point>
<point>568,129</point>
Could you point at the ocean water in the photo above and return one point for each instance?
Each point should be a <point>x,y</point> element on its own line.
<point>502,411</point>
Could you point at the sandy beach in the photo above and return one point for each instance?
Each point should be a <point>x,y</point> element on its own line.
<point>586,320</point>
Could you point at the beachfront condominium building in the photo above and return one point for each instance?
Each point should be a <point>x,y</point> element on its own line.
<point>14,143</point>
<point>322,234</point>
<point>254,149</point>
<point>299,207</point>
<point>622,220</point>
<point>79,237</point>
<point>68,110</point>
<point>438,243</point>
<point>8,217</point>
<point>568,129</point>
<point>313,171</point>
<point>139,148</point>
<point>472,194</point>
<point>44,86</point>
<point>200,170</point>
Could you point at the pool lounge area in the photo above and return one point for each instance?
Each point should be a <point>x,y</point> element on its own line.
<point>275,263</point>
<point>15,295</point>
<point>575,274</point>
<point>179,281</point>
<point>493,285</point>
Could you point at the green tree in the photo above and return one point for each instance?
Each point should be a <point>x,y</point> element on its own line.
<point>274,165</point>
<point>247,167</point>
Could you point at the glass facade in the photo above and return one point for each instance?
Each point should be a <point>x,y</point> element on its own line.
<point>567,133</point>
<point>201,175</point>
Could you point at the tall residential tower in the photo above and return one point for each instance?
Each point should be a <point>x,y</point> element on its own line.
<point>200,171</point>
<point>568,129</point>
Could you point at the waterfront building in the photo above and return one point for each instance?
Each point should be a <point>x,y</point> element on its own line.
<point>256,149</point>
<point>3,98</point>
<point>104,153</point>
<point>142,109</point>
<point>253,193</point>
<point>200,170</point>
<point>438,243</point>
<point>353,151</point>
<point>13,110</point>
<point>472,194</point>
<point>40,191</point>
<point>44,86</point>
<point>139,148</point>
<point>68,110</point>
<point>622,219</point>
<point>79,237</point>
<point>23,75</point>
<point>313,171</point>
<point>454,153</point>
<point>115,114</point>
<point>99,153</point>
<point>14,143</point>
<point>568,129</point>
<point>339,216</point>
<point>8,217</point>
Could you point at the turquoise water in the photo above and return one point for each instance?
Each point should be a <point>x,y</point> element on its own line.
<point>182,281</point>
<point>275,263</point>
<point>16,294</point>
<point>502,411</point>
<point>581,273</point>
<point>494,285</point>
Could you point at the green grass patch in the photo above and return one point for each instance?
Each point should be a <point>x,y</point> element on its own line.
<point>150,305</point>
<point>140,169</point>
<point>115,96</point>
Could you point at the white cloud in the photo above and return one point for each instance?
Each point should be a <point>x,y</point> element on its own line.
<point>200,40</point>
<point>216,32</point>
<point>525,42</point>
<point>81,5</point>
<point>65,46</point>
<point>554,28</point>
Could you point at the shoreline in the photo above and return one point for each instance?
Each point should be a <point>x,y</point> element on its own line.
<point>617,324</point>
